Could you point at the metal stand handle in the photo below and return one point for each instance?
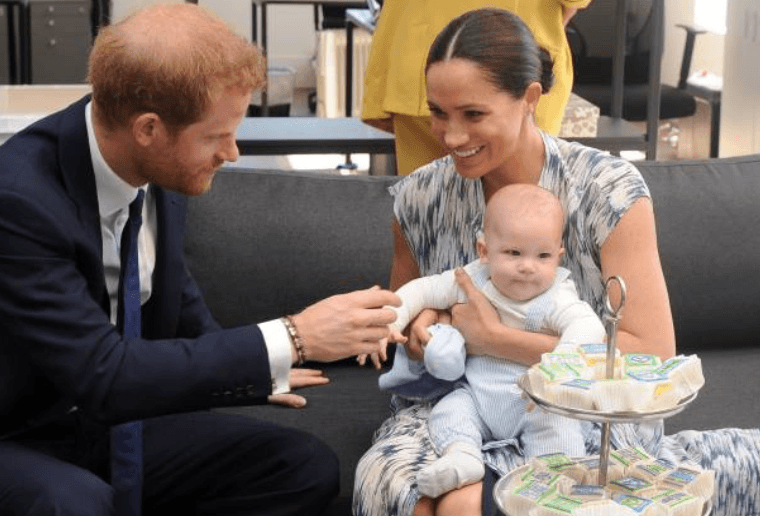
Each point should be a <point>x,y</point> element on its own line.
<point>612,318</point>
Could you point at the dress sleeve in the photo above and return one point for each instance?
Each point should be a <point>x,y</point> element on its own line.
<point>439,213</point>
<point>417,198</point>
<point>614,187</point>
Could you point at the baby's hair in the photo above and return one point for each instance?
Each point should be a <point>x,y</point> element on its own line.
<point>523,200</point>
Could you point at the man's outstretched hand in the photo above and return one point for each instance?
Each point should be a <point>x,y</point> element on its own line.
<point>346,325</point>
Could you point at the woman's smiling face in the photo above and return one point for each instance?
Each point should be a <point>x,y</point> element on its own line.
<point>480,125</point>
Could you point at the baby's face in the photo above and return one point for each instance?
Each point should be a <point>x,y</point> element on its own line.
<point>522,255</point>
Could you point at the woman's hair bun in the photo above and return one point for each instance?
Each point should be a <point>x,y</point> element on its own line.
<point>547,70</point>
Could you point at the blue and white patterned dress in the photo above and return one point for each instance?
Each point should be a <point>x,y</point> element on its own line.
<point>440,214</point>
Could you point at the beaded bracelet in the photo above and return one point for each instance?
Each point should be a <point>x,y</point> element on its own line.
<point>295,338</point>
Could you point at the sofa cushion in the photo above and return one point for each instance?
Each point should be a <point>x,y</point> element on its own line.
<point>707,224</point>
<point>265,243</point>
<point>344,414</point>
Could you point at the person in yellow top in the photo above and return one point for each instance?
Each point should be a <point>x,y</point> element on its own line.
<point>394,84</point>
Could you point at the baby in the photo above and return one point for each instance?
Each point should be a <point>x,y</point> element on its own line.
<point>519,272</point>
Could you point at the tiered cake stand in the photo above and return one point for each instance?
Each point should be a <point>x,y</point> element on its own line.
<point>612,319</point>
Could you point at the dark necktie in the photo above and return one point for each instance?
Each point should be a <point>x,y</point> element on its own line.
<point>126,439</point>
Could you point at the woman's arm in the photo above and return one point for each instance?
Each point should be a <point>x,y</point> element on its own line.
<point>403,270</point>
<point>485,334</point>
<point>630,252</point>
<point>404,267</point>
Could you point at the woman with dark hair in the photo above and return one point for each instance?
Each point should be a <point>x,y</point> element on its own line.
<point>394,83</point>
<point>485,74</point>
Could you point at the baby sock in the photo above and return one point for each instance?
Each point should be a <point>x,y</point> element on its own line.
<point>461,464</point>
<point>404,370</point>
<point>445,353</point>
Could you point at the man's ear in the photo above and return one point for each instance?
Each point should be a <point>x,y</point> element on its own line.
<point>146,128</point>
<point>561,253</point>
<point>482,249</point>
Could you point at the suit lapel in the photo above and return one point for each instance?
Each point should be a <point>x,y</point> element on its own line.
<point>79,181</point>
<point>161,314</point>
<point>76,166</point>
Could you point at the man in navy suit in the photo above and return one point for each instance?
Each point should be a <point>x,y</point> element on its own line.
<point>170,85</point>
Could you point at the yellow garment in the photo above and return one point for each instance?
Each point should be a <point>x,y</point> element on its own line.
<point>415,143</point>
<point>395,81</point>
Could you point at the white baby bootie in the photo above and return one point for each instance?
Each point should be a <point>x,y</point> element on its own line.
<point>460,465</point>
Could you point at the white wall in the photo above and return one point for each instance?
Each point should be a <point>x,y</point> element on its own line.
<point>734,57</point>
<point>292,37</point>
<point>708,49</point>
<point>292,40</point>
<point>123,8</point>
<point>238,13</point>
<point>740,102</point>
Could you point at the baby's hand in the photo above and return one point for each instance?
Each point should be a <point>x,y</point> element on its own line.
<point>381,356</point>
<point>377,358</point>
<point>396,336</point>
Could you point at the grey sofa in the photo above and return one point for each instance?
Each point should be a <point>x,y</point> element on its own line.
<point>264,243</point>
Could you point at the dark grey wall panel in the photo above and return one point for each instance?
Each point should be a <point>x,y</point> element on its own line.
<point>4,56</point>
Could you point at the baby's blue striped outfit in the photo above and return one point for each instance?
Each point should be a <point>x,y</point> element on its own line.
<point>488,406</point>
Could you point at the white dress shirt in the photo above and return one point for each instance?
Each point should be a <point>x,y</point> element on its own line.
<point>114,197</point>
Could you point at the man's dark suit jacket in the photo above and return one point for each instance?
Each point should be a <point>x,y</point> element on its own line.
<point>57,346</point>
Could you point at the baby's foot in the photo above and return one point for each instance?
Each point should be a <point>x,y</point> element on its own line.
<point>451,471</point>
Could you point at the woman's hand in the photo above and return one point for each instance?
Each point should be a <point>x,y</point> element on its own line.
<point>476,319</point>
<point>299,377</point>
<point>485,334</point>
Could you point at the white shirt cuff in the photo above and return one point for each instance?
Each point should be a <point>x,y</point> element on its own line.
<point>278,344</point>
